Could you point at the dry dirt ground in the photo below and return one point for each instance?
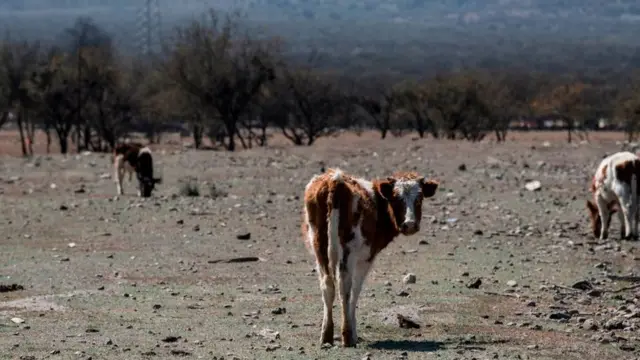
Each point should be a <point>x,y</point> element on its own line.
<point>127,278</point>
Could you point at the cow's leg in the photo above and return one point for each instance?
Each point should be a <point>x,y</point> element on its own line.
<point>359,273</point>
<point>345,277</point>
<point>327,286</point>
<point>118,166</point>
<point>621,220</point>
<point>603,209</point>
<point>626,202</point>
<point>328,296</point>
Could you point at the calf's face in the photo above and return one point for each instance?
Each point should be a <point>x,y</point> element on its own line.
<point>147,184</point>
<point>405,198</point>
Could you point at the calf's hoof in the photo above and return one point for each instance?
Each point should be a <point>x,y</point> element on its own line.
<point>327,337</point>
<point>348,340</point>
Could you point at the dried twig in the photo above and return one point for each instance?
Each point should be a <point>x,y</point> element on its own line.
<point>517,296</point>
<point>623,289</point>
<point>235,260</point>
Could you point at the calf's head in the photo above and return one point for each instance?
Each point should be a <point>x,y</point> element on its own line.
<point>147,184</point>
<point>404,192</point>
<point>596,220</point>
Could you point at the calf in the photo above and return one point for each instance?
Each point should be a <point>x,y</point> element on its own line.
<point>615,189</point>
<point>347,222</point>
<point>132,158</point>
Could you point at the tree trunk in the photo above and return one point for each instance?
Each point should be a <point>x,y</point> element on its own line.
<point>63,140</point>
<point>231,137</point>
<point>23,144</point>
<point>197,132</point>
<point>47,132</point>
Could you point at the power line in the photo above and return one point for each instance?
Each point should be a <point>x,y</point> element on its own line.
<point>149,28</point>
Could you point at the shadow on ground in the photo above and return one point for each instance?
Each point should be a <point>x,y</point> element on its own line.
<point>408,345</point>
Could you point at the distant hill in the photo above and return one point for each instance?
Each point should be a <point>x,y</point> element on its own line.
<point>442,33</point>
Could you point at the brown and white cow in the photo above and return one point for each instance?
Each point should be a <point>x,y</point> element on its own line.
<point>347,222</point>
<point>134,158</point>
<point>615,189</point>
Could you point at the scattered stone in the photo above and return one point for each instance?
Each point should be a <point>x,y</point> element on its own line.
<point>171,339</point>
<point>406,323</point>
<point>17,320</point>
<point>245,236</point>
<point>269,334</point>
<point>10,288</point>
<point>272,347</point>
<point>402,293</point>
<point>595,293</point>
<point>279,311</point>
<point>179,352</point>
<point>614,324</point>
<point>462,167</point>
<point>627,347</point>
<point>533,185</point>
<point>512,283</point>
<point>409,279</point>
<point>582,285</point>
<point>474,283</point>
<point>590,324</point>
<point>63,207</point>
<point>559,316</point>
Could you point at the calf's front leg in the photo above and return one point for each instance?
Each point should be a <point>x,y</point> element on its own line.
<point>603,210</point>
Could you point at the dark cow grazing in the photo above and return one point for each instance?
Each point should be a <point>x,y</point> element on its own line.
<point>615,189</point>
<point>136,158</point>
<point>347,222</point>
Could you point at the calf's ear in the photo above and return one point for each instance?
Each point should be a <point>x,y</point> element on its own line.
<point>429,187</point>
<point>386,188</point>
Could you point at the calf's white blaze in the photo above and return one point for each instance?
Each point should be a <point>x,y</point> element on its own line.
<point>408,191</point>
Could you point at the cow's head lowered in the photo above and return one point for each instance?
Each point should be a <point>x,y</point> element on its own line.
<point>144,173</point>
<point>404,192</point>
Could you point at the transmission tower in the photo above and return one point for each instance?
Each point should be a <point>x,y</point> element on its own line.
<point>149,28</point>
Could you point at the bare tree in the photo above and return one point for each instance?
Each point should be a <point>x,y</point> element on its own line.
<point>506,97</point>
<point>111,101</point>
<point>18,61</point>
<point>224,71</point>
<point>311,103</point>
<point>378,100</point>
<point>413,98</point>
<point>84,36</point>
<point>627,107</point>
<point>57,93</point>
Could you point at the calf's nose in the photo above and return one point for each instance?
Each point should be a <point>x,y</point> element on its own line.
<point>408,226</point>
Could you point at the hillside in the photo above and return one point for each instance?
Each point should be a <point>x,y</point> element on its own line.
<point>546,34</point>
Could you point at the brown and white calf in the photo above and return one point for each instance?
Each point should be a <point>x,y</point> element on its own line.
<point>347,222</point>
<point>615,189</point>
<point>134,158</point>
